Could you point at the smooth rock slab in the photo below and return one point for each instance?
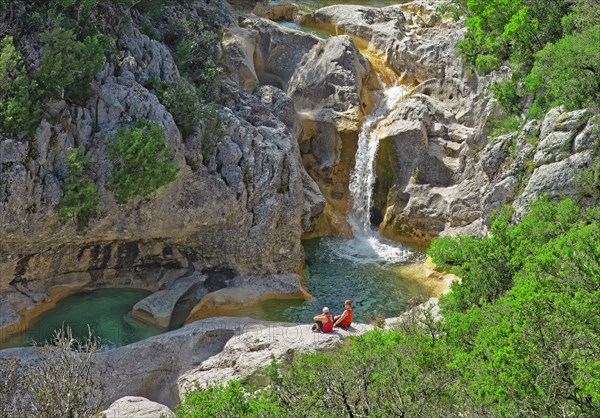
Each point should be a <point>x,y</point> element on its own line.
<point>157,308</point>
<point>136,407</point>
<point>245,290</point>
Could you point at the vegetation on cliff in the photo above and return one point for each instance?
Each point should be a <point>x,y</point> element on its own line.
<point>552,46</point>
<point>143,161</point>
<point>521,337</point>
<point>76,40</point>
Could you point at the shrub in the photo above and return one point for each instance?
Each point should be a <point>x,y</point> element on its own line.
<point>143,162</point>
<point>196,53</point>
<point>508,95</point>
<point>184,102</point>
<point>80,201</point>
<point>59,382</point>
<point>20,109</point>
<point>230,400</point>
<point>68,66</point>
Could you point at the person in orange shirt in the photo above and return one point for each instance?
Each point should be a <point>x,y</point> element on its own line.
<point>345,319</point>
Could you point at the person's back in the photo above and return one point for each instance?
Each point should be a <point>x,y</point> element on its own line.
<point>327,326</point>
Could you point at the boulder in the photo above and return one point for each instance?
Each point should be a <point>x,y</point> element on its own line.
<point>284,11</point>
<point>157,308</point>
<point>278,51</point>
<point>410,39</point>
<point>136,407</point>
<point>239,45</point>
<point>328,84</point>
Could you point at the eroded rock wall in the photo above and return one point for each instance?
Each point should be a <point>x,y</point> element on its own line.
<point>241,207</point>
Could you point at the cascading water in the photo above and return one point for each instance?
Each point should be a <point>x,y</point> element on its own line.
<point>368,246</point>
<point>363,176</point>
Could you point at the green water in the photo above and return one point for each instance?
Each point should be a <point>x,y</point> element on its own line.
<point>105,310</point>
<point>362,269</point>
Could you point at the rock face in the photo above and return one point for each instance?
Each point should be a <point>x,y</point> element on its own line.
<point>240,206</point>
<point>411,39</point>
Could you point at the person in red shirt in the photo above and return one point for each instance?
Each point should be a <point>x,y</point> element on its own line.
<point>345,319</point>
<point>323,322</point>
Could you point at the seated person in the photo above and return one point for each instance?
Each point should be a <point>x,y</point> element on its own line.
<point>323,322</point>
<point>345,319</point>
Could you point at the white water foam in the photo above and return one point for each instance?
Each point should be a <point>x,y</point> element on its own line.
<point>373,249</point>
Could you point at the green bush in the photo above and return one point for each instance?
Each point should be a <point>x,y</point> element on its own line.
<point>508,95</point>
<point>68,66</point>
<point>80,201</point>
<point>143,162</point>
<point>196,47</point>
<point>507,125</point>
<point>569,71</point>
<point>20,109</point>
<point>226,401</point>
<point>184,102</point>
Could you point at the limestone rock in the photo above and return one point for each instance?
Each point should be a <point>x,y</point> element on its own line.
<point>246,290</point>
<point>239,45</point>
<point>285,11</point>
<point>136,407</point>
<point>410,39</point>
<point>157,308</point>
<point>328,84</point>
<point>240,202</point>
<point>554,180</point>
<point>278,52</point>
<point>254,346</point>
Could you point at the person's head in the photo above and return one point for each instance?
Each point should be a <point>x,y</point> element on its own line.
<point>326,310</point>
<point>348,303</point>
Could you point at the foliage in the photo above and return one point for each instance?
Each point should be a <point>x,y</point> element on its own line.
<point>196,51</point>
<point>80,201</point>
<point>8,387</point>
<point>230,400</point>
<point>212,134</point>
<point>508,95</point>
<point>19,107</point>
<point>505,126</point>
<point>143,162</point>
<point>54,382</point>
<point>60,381</point>
<point>498,30</point>
<point>68,66</point>
<point>535,351</point>
<point>487,265</point>
<point>184,102</point>
<point>569,70</point>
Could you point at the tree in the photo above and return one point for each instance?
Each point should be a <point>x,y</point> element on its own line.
<point>143,162</point>
<point>80,201</point>
<point>568,72</point>
<point>19,104</point>
<point>68,66</point>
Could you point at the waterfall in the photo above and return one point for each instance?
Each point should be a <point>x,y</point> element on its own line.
<point>367,246</point>
<point>363,176</point>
